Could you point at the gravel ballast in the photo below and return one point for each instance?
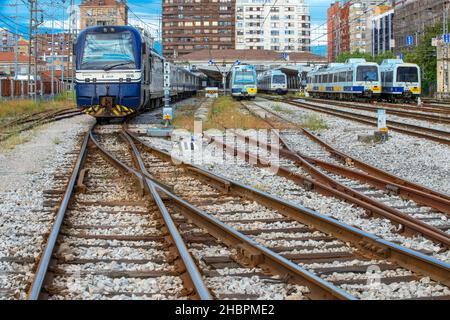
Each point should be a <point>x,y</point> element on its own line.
<point>25,173</point>
<point>418,160</point>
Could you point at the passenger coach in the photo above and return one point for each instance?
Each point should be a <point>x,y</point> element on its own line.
<point>400,81</point>
<point>243,82</point>
<point>273,81</point>
<point>354,79</point>
<point>119,73</point>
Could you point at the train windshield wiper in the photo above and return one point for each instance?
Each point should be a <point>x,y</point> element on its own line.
<point>109,67</point>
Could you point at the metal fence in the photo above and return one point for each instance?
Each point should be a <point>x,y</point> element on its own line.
<point>19,88</point>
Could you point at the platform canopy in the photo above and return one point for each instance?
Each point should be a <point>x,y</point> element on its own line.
<point>214,62</point>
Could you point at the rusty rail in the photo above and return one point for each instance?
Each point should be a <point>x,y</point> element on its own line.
<point>407,112</point>
<point>368,243</point>
<point>409,129</point>
<point>257,254</point>
<point>44,260</point>
<point>345,158</point>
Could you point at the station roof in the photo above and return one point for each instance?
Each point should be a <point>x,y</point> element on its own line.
<point>249,56</point>
<point>261,59</point>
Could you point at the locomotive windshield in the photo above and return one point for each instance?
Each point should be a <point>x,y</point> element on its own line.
<point>278,79</point>
<point>106,51</point>
<point>407,74</point>
<point>367,73</point>
<point>244,76</point>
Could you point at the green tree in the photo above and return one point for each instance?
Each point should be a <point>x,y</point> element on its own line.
<point>369,58</point>
<point>424,55</point>
<point>353,55</point>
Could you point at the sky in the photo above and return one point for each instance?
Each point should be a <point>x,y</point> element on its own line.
<point>142,13</point>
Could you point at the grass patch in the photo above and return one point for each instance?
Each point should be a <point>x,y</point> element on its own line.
<point>16,139</point>
<point>314,122</point>
<point>277,108</point>
<point>184,117</point>
<point>13,109</point>
<point>228,113</point>
<point>296,94</point>
<point>56,140</point>
<point>224,113</point>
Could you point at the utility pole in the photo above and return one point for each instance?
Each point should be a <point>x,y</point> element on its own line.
<point>30,34</point>
<point>16,43</point>
<point>53,50</point>
<point>63,41</point>
<point>72,30</point>
<point>444,33</point>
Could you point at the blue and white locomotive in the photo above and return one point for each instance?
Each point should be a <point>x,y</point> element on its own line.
<point>118,72</point>
<point>243,82</point>
<point>353,79</point>
<point>400,80</point>
<point>273,81</point>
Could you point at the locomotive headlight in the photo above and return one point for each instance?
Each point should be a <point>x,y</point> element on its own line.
<point>94,80</point>
<point>87,80</point>
<point>121,80</point>
<point>128,79</point>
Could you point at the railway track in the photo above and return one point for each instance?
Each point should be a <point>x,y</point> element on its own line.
<point>196,235</point>
<point>413,208</point>
<point>426,114</point>
<point>436,135</point>
<point>34,120</point>
<point>321,245</point>
<point>108,241</point>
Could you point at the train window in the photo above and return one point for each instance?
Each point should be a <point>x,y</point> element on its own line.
<point>278,79</point>
<point>342,76</point>
<point>335,78</point>
<point>407,74</point>
<point>389,77</point>
<point>330,78</point>
<point>349,76</point>
<point>367,73</point>
<point>108,50</point>
<point>244,76</point>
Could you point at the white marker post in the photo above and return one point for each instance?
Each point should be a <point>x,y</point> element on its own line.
<point>167,110</point>
<point>382,125</point>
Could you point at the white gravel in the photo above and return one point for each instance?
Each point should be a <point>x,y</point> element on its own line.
<point>415,159</point>
<point>391,117</point>
<point>265,180</point>
<point>25,172</point>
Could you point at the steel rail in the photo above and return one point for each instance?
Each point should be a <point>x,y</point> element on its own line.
<point>31,123</point>
<point>44,260</point>
<point>408,112</point>
<point>418,196</point>
<point>256,253</point>
<point>395,111</point>
<point>193,279</point>
<point>368,243</point>
<point>395,126</point>
<point>328,186</point>
<point>390,123</point>
<point>374,171</point>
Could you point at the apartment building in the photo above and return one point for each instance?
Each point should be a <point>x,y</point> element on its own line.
<point>413,16</point>
<point>61,50</point>
<point>103,13</point>
<point>337,30</point>
<point>278,25</point>
<point>7,40</point>
<point>381,33</point>
<point>191,25</point>
<point>347,26</point>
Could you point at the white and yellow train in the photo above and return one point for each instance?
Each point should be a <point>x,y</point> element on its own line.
<point>355,78</point>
